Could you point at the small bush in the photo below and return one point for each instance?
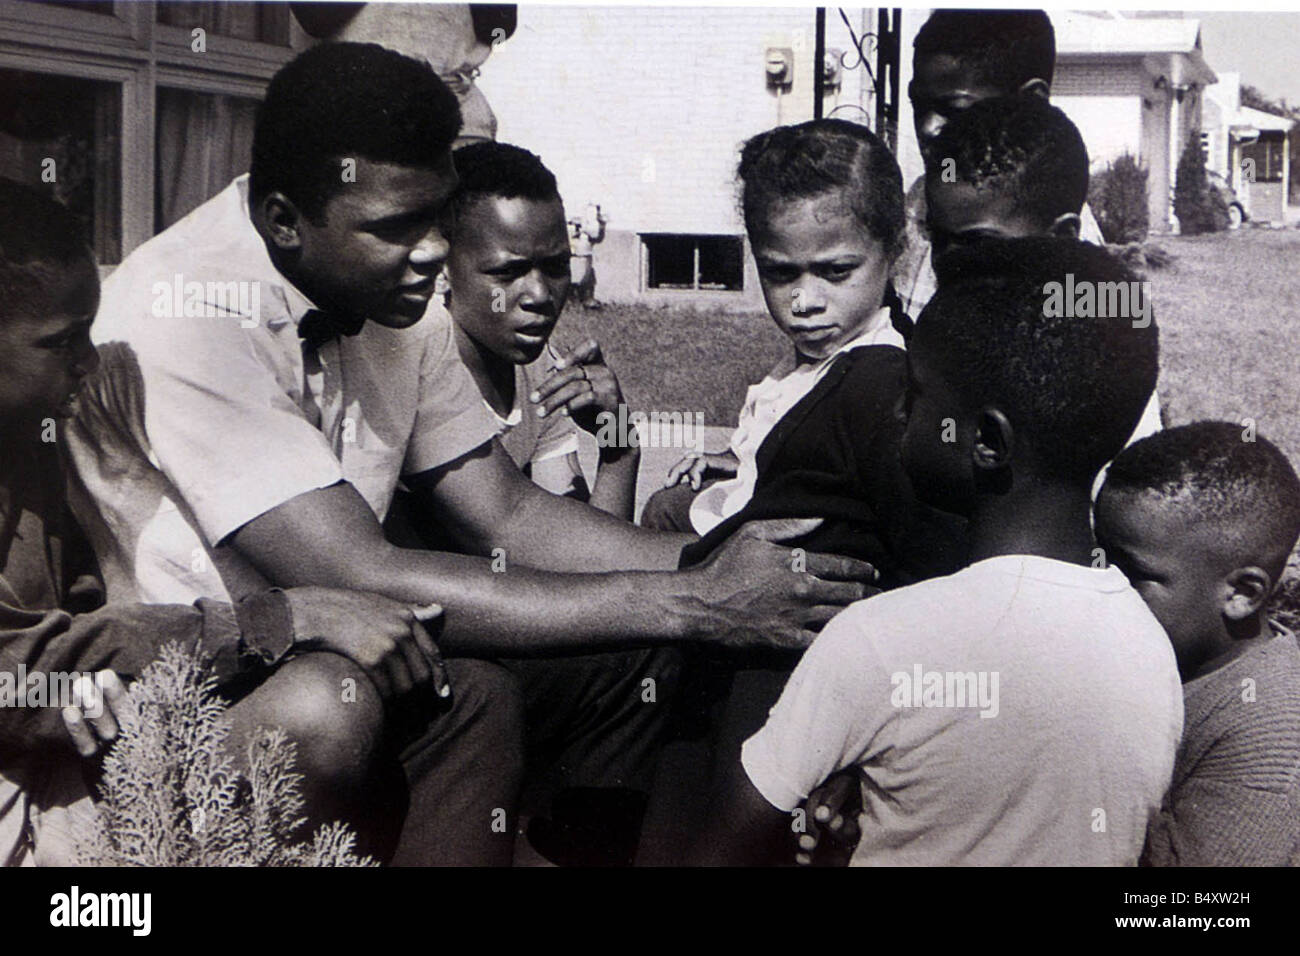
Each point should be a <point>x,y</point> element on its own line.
<point>1118,197</point>
<point>171,795</point>
<point>1199,208</point>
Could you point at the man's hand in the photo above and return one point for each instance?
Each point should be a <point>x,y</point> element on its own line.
<point>759,594</point>
<point>696,466</point>
<point>833,831</point>
<point>582,384</point>
<point>385,638</point>
<point>91,718</point>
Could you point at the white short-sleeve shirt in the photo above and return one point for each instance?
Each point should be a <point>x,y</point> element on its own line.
<point>1021,711</point>
<point>208,410</point>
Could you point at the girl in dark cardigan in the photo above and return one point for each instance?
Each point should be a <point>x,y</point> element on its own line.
<point>823,207</point>
<point>818,437</point>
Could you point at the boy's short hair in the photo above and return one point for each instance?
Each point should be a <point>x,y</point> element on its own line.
<point>1220,473</point>
<point>1075,387</point>
<point>342,101</point>
<point>1021,146</point>
<point>1006,48</point>
<point>500,170</point>
<point>38,234</point>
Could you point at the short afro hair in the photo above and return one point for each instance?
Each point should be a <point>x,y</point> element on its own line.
<point>343,101</point>
<point>1074,387</point>
<point>487,170</point>
<point>1006,48</point>
<point>823,156</point>
<point>38,236</point>
<point>1220,473</point>
<point>1020,146</point>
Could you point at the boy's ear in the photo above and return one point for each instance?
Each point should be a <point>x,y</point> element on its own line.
<point>1248,590</point>
<point>994,441</point>
<point>1036,87</point>
<point>1066,226</point>
<point>282,221</point>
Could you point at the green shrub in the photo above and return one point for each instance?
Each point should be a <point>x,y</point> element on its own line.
<point>1118,198</point>
<point>172,796</point>
<point>1199,208</point>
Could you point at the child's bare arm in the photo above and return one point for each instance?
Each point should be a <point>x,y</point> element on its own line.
<point>586,388</point>
<point>697,467</point>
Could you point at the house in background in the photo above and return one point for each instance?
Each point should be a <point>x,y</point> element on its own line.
<point>654,137</point>
<point>643,110</point>
<point>1249,148</point>
<point>1133,84</point>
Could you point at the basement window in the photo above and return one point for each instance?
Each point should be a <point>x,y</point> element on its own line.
<point>693,263</point>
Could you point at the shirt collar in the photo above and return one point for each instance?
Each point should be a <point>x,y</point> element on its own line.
<point>292,303</point>
<point>878,331</point>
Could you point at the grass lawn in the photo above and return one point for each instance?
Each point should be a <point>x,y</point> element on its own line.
<point>1228,308</point>
<point>679,359</point>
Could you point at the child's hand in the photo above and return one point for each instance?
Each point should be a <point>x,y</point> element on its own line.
<point>696,465</point>
<point>833,832</point>
<point>582,384</point>
<point>91,718</point>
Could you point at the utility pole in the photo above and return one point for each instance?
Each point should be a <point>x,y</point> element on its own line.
<point>819,60</point>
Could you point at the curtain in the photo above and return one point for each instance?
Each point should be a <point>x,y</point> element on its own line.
<point>267,22</point>
<point>203,141</point>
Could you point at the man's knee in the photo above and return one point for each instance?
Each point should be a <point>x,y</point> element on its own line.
<point>653,672</point>
<point>329,708</point>
<point>486,697</point>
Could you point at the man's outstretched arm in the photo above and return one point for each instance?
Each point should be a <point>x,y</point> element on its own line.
<point>487,502</point>
<point>746,595</point>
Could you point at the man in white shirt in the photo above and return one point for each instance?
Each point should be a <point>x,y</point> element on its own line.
<point>267,379</point>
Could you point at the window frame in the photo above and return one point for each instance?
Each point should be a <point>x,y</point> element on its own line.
<point>695,240</point>
<point>132,50</point>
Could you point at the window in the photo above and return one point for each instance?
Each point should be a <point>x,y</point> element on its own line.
<point>201,142</point>
<point>141,125</point>
<point>694,262</point>
<point>63,133</point>
<point>1265,154</point>
<point>266,22</point>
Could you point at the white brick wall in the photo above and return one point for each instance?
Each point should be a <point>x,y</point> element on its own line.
<point>643,109</point>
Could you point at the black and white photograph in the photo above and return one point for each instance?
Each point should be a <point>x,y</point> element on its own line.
<point>648,436</point>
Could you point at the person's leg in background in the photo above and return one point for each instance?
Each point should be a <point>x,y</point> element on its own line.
<point>669,509</point>
<point>595,725</point>
<point>723,700</point>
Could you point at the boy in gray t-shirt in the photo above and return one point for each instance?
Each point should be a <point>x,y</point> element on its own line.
<point>1202,519</point>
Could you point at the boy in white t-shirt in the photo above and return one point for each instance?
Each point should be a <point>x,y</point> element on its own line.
<point>1026,709</point>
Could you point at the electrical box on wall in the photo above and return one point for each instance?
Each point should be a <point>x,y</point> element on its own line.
<point>779,63</point>
<point>832,69</point>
